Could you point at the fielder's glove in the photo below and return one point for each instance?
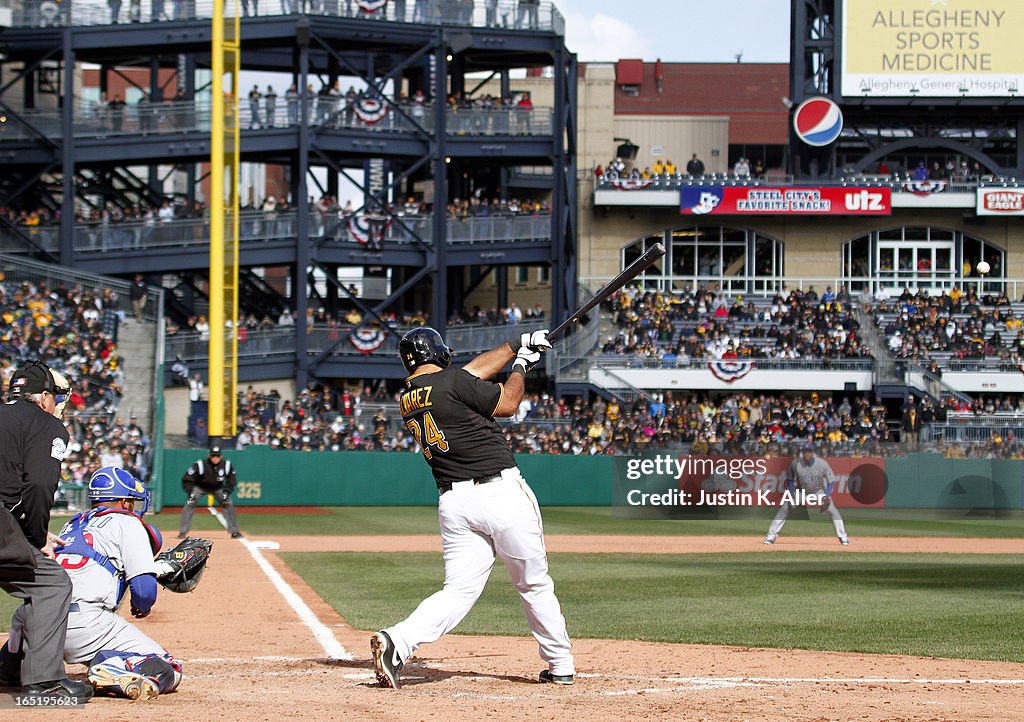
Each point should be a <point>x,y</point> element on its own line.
<point>180,569</point>
<point>538,340</point>
<point>526,359</point>
<point>824,503</point>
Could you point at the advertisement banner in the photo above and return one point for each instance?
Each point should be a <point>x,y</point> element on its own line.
<point>760,481</point>
<point>1000,202</point>
<point>764,200</point>
<point>925,48</point>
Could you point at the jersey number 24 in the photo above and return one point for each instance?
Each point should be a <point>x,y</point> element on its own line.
<point>429,435</point>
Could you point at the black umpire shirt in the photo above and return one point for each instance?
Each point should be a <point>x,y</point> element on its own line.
<point>451,415</point>
<point>210,477</point>
<point>32,446</point>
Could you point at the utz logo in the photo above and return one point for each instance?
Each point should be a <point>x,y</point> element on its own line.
<point>818,121</point>
<point>729,370</point>
<point>700,201</point>
<point>1004,201</point>
<point>864,200</point>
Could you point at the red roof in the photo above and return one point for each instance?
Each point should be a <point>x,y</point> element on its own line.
<point>749,93</point>
<point>629,72</point>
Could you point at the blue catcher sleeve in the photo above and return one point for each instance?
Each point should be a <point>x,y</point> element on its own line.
<point>143,594</point>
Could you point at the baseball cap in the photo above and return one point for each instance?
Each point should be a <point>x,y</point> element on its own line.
<point>32,378</point>
<point>214,451</point>
<point>807,447</point>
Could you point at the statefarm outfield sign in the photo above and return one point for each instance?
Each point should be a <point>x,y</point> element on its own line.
<point>762,200</point>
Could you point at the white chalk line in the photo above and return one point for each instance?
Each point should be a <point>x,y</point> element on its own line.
<point>331,646</point>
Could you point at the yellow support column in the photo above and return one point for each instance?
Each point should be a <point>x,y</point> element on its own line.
<point>224,152</point>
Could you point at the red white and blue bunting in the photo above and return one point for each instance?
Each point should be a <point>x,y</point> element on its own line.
<point>925,187</point>
<point>368,340</point>
<point>631,184</point>
<point>371,6</point>
<point>729,370</point>
<point>368,229</point>
<point>370,110</point>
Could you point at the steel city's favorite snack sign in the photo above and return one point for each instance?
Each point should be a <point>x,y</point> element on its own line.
<point>932,48</point>
<point>764,200</point>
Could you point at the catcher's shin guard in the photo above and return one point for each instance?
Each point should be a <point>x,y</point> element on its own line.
<point>167,675</point>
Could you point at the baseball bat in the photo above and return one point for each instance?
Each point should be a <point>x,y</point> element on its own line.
<point>631,271</point>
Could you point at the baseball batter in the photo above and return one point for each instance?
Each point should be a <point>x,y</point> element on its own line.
<point>813,475</point>
<point>485,506</point>
<point>109,550</point>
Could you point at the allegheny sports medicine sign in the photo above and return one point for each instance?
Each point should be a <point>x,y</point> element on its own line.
<point>932,48</point>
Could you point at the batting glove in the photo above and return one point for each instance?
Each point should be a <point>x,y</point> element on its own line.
<point>536,339</point>
<point>526,359</point>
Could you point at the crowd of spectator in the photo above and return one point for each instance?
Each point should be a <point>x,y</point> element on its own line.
<point>959,324</point>
<point>75,332</point>
<point>769,424</point>
<point>705,324</point>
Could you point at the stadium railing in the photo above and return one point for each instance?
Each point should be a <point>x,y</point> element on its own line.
<point>50,13</point>
<point>464,338</point>
<point>862,288</point>
<point>256,226</point>
<point>92,120</point>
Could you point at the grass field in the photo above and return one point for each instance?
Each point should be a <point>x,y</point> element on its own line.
<point>358,521</point>
<point>960,606</point>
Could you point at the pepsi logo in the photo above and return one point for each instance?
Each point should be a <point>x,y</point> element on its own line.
<point>818,121</point>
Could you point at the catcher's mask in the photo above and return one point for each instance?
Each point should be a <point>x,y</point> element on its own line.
<point>111,483</point>
<point>423,346</point>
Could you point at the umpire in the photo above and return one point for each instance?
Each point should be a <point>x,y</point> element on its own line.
<point>212,475</point>
<point>32,445</point>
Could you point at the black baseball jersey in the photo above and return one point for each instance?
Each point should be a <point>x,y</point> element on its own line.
<point>210,477</point>
<point>451,414</point>
<point>32,446</point>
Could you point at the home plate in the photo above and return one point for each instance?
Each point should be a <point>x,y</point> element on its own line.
<point>266,544</point>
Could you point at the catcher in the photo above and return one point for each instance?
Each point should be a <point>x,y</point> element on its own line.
<point>813,475</point>
<point>107,551</point>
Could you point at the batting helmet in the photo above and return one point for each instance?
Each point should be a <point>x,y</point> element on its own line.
<point>423,346</point>
<point>111,483</point>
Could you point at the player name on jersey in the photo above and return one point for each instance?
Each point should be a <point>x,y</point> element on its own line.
<point>415,399</point>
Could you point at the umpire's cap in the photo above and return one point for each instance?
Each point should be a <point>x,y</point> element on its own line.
<point>33,377</point>
<point>215,451</point>
<point>421,346</point>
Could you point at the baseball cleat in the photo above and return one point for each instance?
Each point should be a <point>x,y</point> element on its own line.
<point>386,661</point>
<point>236,535</point>
<point>131,684</point>
<point>844,541</point>
<point>547,676</point>
<point>770,539</point>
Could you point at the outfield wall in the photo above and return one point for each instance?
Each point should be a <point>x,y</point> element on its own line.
<point>295,478</point>
<point>269,477</point>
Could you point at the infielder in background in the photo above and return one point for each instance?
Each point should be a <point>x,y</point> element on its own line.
<point>213,475</point>
<point>485,507</point>
<point>33,442</point>
<point>814,476</point>
<point>108,551</point>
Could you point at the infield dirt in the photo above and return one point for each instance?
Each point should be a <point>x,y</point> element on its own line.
<point>248,656</point>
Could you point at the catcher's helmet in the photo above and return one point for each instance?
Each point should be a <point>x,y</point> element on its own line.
<point>423,346</point>
<point>111,483</point>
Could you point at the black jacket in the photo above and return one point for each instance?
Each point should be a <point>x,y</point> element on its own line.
<point>32,446</point>
<point>210,477</point>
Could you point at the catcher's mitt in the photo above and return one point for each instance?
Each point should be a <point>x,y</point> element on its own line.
<point>181,568</point>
